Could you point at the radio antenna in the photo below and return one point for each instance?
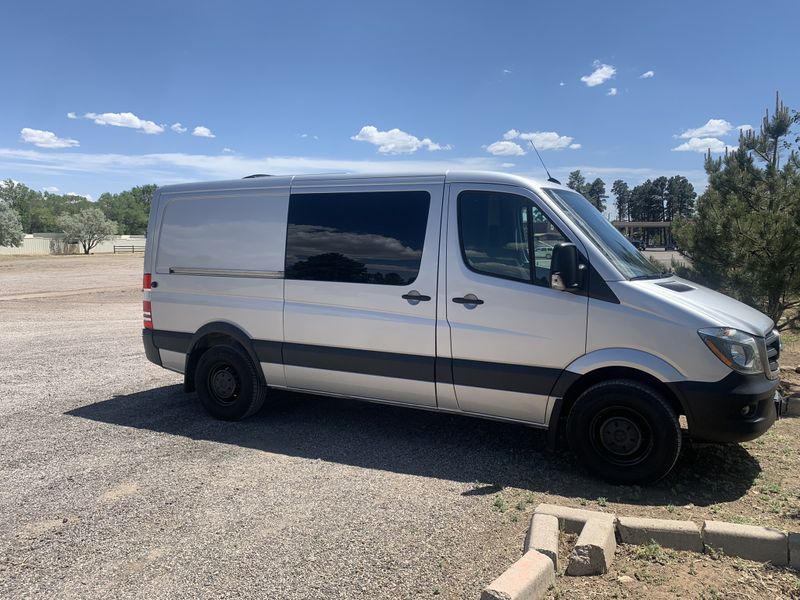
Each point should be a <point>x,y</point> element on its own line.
<point>550,178</point>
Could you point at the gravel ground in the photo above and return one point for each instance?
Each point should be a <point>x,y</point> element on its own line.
<point>114,483</point>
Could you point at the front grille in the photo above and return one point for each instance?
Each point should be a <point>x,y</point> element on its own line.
<point>773,342</point>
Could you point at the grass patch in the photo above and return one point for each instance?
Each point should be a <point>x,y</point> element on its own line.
<point>653,552</point>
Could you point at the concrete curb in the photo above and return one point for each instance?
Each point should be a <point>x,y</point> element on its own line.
<point>531,576</point>
<point>678,535</point>
<point>527,579</point>
<point>748,541</point>
<point>543,537</point>
<point>572,520</point>
<point>594,551</point>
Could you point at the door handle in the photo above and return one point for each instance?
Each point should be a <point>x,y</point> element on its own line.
<point>468,299</point>
<point>415,296</point>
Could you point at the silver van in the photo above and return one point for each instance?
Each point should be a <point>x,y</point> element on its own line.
<point>482,294</point>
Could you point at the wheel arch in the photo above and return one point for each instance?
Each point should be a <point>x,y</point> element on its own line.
<point>582,374</point>
<point>216,334</point>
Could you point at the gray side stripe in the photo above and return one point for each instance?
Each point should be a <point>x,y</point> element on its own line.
<point>488,375</point>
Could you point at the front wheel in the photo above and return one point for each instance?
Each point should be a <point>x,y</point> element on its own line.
<point>228,384</point>
<point>624,432</point>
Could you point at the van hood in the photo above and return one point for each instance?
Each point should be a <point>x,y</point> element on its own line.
<point>718,310</point>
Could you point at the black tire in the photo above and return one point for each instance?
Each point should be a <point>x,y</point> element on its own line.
<point>228,384</point>
<point>624,432</point>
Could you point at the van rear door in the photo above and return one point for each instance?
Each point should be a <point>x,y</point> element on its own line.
<point>360,287</point>
<point>511,334</point>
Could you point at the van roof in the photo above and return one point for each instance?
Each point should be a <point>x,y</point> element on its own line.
<point>449,176</point>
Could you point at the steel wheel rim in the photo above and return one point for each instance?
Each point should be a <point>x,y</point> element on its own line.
<point>224,384</point>
<point>621,435</point>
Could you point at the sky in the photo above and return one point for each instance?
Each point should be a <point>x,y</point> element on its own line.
<point>103,96</point>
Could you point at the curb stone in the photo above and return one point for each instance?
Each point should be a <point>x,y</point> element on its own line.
<point>748,541</point>
<point>794,550</point>
<point>594,550</point>
<point>678,535</point>
<point>527,579</point>
<point>543,537</point>
<point>572,520</point>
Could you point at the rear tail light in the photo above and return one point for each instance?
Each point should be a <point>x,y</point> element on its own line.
<point>147,313</point>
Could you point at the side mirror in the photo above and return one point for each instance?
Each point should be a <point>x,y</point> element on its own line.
<point>566,273</point>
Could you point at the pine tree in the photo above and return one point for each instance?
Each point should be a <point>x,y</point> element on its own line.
<point>745,238</point>
<point>622,193</point>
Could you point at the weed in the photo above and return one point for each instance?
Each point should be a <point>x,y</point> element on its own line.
<point>500,504</point>
<point>653,552</point>
<point>714,553</point>
<point>583,501</point>
<point>514,517</point>
<point>601,501</point>
<point>670,508</point>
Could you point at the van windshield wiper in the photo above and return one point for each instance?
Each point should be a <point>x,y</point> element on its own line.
<point>661,275</point>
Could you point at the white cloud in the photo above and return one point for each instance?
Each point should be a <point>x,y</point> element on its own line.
<point>51,189</point>
<point>697,144</point>
<point>647,75</point>
<point>547,140</point>
<point>72,115</point>
<point>505,148</point>
<point>178,128</point>
<point>178,167</point>
<point>126,119</point>
<point>395,141</point>
<point>612,92</point>
<point>744,127</point>
<point>227,150</point>
<point>45,139</point>
<point>511,134</point>
<point>201,131</point>
<point>600,75</point>
<point>561,84</point>
<point>574,146</point>
<point>713,128</point>
<point>507,71</point>
<point>507,165</point>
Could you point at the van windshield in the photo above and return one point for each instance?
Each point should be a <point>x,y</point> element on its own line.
<point>627,259</point>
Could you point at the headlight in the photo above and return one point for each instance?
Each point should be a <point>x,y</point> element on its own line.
<point>735,348</point>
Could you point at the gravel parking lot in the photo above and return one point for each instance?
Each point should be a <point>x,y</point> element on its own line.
<point>114,483</point>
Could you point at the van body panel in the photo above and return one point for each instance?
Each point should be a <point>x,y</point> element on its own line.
<point>365,316</point>
<point>518,324</point>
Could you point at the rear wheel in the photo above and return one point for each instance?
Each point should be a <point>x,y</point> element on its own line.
<point>227,383</point>
<point>624,432</point>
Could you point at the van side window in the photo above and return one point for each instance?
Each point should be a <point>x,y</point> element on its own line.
<point>506,235</point>
<point>356,237</point>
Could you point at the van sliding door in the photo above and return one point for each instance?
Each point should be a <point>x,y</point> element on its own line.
<point>360,288</point>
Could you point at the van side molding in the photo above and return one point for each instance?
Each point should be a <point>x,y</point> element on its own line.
<point>226,273</point>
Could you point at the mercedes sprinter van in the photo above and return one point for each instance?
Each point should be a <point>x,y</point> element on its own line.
<point>482,294</point>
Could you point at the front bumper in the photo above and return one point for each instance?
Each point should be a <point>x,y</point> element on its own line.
<point>737,408</point>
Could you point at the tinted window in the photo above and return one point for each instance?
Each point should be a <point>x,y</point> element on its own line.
<point>501,232</point>
<point>372,237</point>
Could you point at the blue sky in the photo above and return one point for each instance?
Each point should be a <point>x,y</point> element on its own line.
<point>93,90</point>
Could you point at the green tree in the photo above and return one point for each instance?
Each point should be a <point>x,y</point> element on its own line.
<point>679,199</point>
<point>622,193</point>
<point>22,199</point>
<point>745,238</point>
<point>130,209</point>
<point>577,182</point>
<point>89,227</point>
<point>596,194</point>
<point>10,227</point>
